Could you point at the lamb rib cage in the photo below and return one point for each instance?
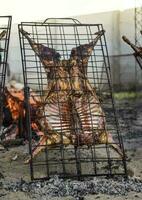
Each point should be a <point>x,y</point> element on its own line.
<point>66,64</point>
<point>5,28</point>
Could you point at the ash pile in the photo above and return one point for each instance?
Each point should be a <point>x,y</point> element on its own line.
<point>56,187</point>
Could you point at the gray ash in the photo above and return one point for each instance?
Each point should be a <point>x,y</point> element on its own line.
<point>56,187</point>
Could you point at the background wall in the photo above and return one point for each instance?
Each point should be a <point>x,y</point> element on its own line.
<point>116,23</point>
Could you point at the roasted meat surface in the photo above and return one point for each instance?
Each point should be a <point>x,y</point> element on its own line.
<point>70,111</point>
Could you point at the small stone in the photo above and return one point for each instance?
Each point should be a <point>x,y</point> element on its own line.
<point>1,175</point>
<point>14,157</point>
<point>79,198</point>
<point>132,154</point>
<point>3,194</point>
<point>1,147</point>
<point>130,172</point>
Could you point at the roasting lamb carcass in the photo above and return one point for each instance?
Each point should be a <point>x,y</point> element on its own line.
<point>79,118</point>
<point>137,50</point>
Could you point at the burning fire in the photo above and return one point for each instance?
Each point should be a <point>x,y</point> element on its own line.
<point>14,102</point>
<point>15,105</point>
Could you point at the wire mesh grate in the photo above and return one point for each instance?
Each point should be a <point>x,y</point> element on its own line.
<point>5,28</point>
<point>67,73</point>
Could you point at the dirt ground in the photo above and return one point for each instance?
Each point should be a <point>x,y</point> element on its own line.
<point>12,167</point>
<point>15,170</point>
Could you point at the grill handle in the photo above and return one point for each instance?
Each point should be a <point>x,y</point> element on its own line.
<point>72,20</point>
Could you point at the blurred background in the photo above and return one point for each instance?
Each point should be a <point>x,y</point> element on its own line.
<point>118,18</point>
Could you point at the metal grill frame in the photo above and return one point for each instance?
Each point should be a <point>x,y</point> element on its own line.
<point>6,25</point>
<point>76,161</point>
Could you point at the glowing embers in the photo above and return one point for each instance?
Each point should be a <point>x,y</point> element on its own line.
<point>14,120</point>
